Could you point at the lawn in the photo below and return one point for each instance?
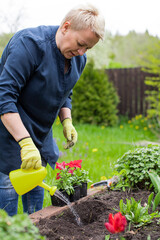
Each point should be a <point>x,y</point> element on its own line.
<point>99,147</point>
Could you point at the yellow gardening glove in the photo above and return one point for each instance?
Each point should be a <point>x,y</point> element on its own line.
<point>69,132</point>
<point>30,155</point>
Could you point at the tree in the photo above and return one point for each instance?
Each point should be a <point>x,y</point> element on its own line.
<point>11,19</point>
<point>94,98</point>
<point>151,63</point>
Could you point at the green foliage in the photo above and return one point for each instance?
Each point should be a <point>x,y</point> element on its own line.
<point>125,50</point>
<point>65,182</point>
<point>71,174</point>
<point>113,64</point>
<point>136,213</point>
<point>141,122</point>
<point>153,96</point>
<point>154,203</point>
<point>18,227</point>
<point>81,176</point>
<point>4,38</point>
<point>68,180</point>
<point>135,164</point>
<point>155,179</point>
<point>107,237</point>
<point>147,123</point>
<point>94,98</point>
<point>151,61</point>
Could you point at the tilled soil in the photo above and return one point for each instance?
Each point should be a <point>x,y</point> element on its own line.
<point>93,214</point>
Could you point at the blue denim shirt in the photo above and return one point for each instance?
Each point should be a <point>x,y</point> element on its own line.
<point>33,83</point>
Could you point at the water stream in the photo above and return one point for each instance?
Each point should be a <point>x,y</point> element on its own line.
<point>64,199</point>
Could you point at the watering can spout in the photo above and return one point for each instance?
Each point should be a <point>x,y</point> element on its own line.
<point>24,181</point>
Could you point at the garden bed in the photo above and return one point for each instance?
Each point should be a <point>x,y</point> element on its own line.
<point>60,224</point>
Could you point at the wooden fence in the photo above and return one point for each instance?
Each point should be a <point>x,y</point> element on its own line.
<point>131,88</point>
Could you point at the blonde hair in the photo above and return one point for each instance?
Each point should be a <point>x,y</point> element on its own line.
<point>86,16</point>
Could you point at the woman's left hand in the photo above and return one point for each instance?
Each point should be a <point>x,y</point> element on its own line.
<point>69,132</point>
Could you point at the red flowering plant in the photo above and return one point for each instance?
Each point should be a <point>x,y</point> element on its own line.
<point>71,174</point>
<point>117,223</point>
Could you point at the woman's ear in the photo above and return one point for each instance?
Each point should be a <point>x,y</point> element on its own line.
<point>66,26</point>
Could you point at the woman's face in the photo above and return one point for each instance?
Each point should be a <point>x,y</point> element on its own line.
<point>73,43</point>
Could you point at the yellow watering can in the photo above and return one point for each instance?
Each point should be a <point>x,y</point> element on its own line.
<point>24,181</point>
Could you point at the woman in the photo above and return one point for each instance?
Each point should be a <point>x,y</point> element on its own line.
<point>38,70</point>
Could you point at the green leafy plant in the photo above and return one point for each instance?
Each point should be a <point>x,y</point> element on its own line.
<point>123,181</point>
<point>154,202</point>
<point>64,182</point>
<point>107,237</point>
<point>81,176</point>
<point>136,213</point>
<point>135,164</point>
<point>71,174</point>
<point>18,227</point>
<point>155,179</point>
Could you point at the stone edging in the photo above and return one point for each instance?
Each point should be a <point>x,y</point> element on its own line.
<point>52,210</point>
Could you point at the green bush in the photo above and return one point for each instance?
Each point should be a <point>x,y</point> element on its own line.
<point>18,227</point>
<point>135,164</point>
<point>94,98</point>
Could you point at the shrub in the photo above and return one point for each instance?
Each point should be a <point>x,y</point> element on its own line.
<point>18,227</point>
<point>135,164</point>
<point>94,98</point>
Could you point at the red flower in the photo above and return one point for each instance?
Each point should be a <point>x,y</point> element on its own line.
<point>61,166</point>
<point>71,171</point>
<point>75,164</point>
<point>117,223</point>
<point>58,176</point>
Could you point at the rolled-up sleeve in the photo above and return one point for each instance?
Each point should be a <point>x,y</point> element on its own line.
<point>68,101</point>
<point>17,67</point>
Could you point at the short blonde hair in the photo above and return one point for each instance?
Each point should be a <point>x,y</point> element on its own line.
<point>86,16</point>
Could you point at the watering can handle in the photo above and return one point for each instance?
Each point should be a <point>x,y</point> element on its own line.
<point>50,189</point>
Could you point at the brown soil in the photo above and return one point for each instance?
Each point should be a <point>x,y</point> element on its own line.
<point>93,214</point>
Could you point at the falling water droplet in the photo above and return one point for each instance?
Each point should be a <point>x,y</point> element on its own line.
<point>64,199</point>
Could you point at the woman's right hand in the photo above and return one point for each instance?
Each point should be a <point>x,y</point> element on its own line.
<point>30,155</point>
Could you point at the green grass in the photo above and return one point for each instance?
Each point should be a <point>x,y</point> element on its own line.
<point>98,147</point>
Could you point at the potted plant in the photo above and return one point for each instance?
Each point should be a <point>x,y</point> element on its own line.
<point>71,181</point>
<point>82,177</point>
